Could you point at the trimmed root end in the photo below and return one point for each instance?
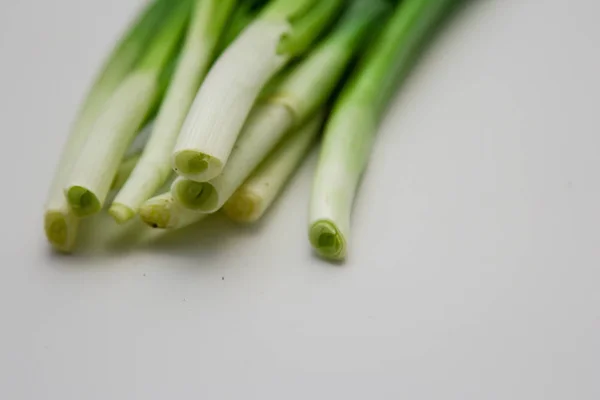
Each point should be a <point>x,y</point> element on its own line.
<point>60,231</point>
<point>200,196</point>
<point>156,216</point>
<point>83,202</point>
<point>197,165</point>
<point>121,213</point>
<point>327,240</point>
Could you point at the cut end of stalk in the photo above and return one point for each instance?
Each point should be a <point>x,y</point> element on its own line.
<point>196,165</point>
<point>156,215</point>
<point>83,202</point>
<point>199,196</point>
<point>327,240</point>
<point>121,213</point>
<point>244,207</point>
<point>156,212</point>
<point>60,231</point>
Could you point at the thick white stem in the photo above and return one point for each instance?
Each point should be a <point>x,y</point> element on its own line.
<point>226,98</point>
<point>266,126</point>
<point>155,164</point>
<point>92,175</point>
<point>60,223</point>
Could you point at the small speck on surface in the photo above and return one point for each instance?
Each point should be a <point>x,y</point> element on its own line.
<point>222,278</point>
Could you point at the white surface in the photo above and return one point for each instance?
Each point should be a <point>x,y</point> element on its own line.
<point>473,272</point>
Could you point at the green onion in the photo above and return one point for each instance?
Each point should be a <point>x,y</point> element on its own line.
<point>60,223</point>
<point>208,22</point>
<point>255,196</point>
<point>91,177</point>
<point>164,212</point>
<point>350,131</point>
<point>285,29</point>
<point>301,93</point>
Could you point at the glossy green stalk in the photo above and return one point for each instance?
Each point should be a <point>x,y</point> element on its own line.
<point>60,223</point>
<point>89,182</point>
<point>350,131</point>
<point>208,21</point>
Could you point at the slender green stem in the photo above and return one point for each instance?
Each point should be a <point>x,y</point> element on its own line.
<point>350,132</point>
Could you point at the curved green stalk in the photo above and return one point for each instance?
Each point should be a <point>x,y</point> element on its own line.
<point>350,132</point>
<point>89,182</point>
<point>60,223</point>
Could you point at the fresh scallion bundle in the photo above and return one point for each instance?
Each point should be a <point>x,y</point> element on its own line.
<point>208,21</point>
<point>60,222</point>
<point>302,92</point>
<point>350,131</point>
<point>284,30</point>
<point>255,196</point>
<point>90,180</point>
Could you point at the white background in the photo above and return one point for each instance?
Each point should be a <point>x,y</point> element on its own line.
<point>473,272</point>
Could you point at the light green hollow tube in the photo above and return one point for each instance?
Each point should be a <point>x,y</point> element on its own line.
<point>60,223</point>
<point>163,212</point>
<point>91,178</point>
<point>250,202</point>
<point>303,91</point>
<point>350,131</point>
<point>208,21</point>
<point>282,31</point>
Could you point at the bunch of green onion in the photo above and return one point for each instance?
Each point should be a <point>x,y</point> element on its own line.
<point>238,92</point>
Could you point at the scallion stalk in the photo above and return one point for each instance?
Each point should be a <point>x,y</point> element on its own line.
<point>251,200</point>
<point>284,30</point>
<point>91,178</point>
<point>208,21</point>
<point>302,92</point>
<point>60,223</point>
<point>350,131</point>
